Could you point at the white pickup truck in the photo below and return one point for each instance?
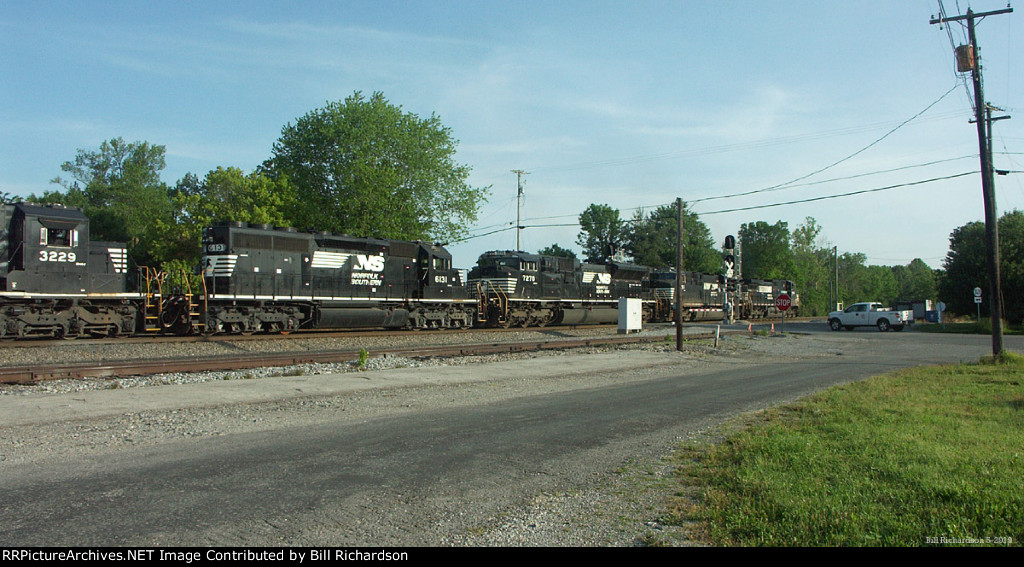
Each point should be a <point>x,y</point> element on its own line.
<point>870,315</point>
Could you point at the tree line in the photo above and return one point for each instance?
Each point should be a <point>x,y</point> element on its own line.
<point>360,166</point>
<point>365,167</point>
<point>774,251</point>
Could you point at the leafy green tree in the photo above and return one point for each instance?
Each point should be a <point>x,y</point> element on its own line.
<point>766,251</point>
<point>364,167</point>
<point>119,189</point>
<point>602,233</point>
<point>556,250</point>
<point>652,239</point>
<point>860,282</point>
<point>966,267</point>
<point>225,194</point>
<point>914,281</point>
<point>811,273</point>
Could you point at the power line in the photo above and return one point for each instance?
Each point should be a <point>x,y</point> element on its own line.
<point>614,162</point>
<point>824,197</point>
<point>851,156</point>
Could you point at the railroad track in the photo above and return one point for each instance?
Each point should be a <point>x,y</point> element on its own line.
<point>170,339</point>
<point>42,372</point>
<point>304,334</point>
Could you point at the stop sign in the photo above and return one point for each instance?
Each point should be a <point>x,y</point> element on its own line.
<point>782,302</point>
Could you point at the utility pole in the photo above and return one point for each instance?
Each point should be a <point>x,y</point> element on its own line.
<point>679,276</point>
<point>972,61</point>
<point>519,204</point>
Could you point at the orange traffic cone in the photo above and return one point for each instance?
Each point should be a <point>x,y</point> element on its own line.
<point>773,327</point>
<point>750,327</point>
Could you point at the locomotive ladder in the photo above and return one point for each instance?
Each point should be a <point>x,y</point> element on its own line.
<point>154,281</point>
<point>196,306</point>
<point>483,300</point>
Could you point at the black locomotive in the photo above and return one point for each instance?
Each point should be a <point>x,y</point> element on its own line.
<point>256,278</point>
<point>261,278</point>
<point>521,289</point>
<point>55,282</point>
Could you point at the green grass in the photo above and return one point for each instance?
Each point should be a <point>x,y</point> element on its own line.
<point>899,460</point>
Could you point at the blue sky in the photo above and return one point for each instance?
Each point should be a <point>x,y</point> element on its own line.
<point>629,104</point>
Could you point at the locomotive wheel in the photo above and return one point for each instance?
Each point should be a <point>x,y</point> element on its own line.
<point>65,334</point>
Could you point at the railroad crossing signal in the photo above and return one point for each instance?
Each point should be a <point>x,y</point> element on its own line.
<point>728,260</point>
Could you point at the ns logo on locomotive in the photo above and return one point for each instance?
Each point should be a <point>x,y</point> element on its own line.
<point>54,282</point>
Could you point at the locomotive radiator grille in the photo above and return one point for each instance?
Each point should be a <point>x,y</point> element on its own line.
<point>507,285</point>
<point>220,266</point>
<point>119,258</point>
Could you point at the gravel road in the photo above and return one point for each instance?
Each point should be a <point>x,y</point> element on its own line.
<point>616,507</point>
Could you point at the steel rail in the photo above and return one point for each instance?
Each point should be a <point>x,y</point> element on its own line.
<point>117,369</point>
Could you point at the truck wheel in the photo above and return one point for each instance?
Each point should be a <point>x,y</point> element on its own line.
<point>834,324</point>
<point>883,325</point>
<point>897,328</point>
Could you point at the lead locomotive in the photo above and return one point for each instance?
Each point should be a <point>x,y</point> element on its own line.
<point>55,282</point>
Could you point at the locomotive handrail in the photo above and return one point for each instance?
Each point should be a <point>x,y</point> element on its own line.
<point>500,297</point>
<point>154,301</point>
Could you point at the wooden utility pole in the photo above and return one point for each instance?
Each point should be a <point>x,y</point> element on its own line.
<point>972,61</point>
<point>519,203</point>
<point>679,277</point>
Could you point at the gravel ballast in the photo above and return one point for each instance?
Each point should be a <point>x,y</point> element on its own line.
<point>67,419</point>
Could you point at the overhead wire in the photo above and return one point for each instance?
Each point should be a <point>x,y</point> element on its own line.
<point>836,196</point>
<point>833,164</point>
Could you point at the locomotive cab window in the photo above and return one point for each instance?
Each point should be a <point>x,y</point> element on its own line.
<point>67,238</point>
<point>442,263</point>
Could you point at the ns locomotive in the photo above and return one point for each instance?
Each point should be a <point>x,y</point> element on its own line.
<point>54,282</point>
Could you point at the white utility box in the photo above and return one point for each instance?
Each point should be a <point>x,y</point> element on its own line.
<point>631,316</point>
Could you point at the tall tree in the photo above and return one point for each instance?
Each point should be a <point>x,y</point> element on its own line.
<point>915,281</point>
<point>766,251</point>
<point>364,167</point>
<point>602,233</point>
<point>119,189</point>
<point>225,194</point>
<point>652,239</point>
<point>965,267</point>
<point>811,274</point>
<point>556,250</point>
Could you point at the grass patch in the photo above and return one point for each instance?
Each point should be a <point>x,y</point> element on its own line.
<point>929,456</point>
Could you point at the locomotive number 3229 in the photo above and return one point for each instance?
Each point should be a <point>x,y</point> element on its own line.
<point>56,256</point>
